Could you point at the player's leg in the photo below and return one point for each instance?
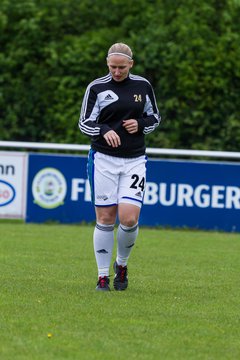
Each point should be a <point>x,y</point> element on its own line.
<point>126,236</point>
<point>127,231</point>
<point>103,241</point>
<point>131,192</point>
<point>104,196</point>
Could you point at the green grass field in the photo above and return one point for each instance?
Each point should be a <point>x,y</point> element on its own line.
<point>183,300</point>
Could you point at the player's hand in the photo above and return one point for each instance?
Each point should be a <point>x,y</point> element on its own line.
<point>112,138</point>
<point>131,125</point>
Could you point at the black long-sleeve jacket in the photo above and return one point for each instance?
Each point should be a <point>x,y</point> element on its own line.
<point>107,103</point>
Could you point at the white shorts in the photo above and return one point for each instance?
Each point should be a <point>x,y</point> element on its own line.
<point>116,180</point>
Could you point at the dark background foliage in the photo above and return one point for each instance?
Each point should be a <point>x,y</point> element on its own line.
<point>189,50</point>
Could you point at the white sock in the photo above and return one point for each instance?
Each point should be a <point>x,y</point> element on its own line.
<point>103,241</point>
<point>126,237</point>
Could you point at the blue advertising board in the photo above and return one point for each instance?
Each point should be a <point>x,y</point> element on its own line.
<point>58,189</point>
<point>194,194</point>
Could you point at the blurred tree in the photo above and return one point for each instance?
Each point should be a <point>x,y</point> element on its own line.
<point>189,50</point>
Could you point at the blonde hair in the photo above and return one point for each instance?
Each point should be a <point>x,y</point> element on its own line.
<point>120,49</point>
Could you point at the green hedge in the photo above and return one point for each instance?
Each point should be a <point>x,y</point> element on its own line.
<point>189,50</point>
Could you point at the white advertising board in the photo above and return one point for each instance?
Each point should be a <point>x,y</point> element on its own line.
<point>13,184</point>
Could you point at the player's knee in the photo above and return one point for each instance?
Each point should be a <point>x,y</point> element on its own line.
<point>128,214</point>
<point>129,221</point>
<point>106,218</point>
<point>106,215</point>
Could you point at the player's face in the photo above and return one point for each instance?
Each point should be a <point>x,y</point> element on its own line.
<point>119,66</point>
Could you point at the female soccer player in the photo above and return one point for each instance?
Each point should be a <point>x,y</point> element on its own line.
<point>118,110</point>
